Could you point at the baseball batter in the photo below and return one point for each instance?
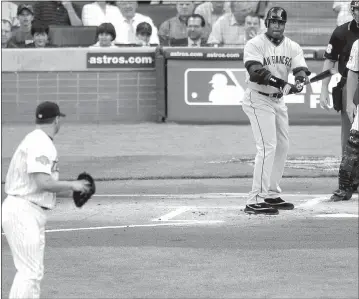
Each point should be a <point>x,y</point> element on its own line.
<point>268,58</point>
<point>31,185</point>
<point>349,166</point>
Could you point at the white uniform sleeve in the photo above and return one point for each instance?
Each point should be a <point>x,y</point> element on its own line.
<point>353,62</point>
<point>298,57</point>
<point>38,160</point>
<point>252,53</point>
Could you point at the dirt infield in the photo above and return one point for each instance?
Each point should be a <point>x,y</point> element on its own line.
<point>179,240</point>
<point>160,151</point>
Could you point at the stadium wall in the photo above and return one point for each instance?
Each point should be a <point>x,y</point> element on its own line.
<point>89,85</point>
<point>140,85</point>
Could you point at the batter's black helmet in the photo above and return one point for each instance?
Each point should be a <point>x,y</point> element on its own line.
<point>276,13</point>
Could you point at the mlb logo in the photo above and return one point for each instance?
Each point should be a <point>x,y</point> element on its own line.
<point>214,87</point>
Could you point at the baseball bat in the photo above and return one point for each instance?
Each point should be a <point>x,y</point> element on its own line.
<point>321,76</point>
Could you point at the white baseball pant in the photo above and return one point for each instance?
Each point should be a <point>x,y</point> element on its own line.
<point>24,226</point>
<point>270,126</point>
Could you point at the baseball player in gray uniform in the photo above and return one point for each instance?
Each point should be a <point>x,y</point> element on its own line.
<point>268,58</point>
<point>31,184</point>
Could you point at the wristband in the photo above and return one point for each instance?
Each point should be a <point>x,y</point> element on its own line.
<point>276,82</point>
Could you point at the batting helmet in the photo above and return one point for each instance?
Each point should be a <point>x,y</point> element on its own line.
<point>354,4</point>
<point>276,13</point>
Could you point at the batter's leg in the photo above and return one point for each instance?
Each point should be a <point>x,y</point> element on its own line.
<point>262,118</point>
<point>282,127</point>
<point>25,234</point>
<point>345,122</point>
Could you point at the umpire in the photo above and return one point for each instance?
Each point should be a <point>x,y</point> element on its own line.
<point>338,50</point>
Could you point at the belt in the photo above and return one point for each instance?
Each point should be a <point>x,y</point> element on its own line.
<point>44,208</point>
<point>271,95</point>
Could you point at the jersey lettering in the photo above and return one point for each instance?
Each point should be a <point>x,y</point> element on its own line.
<point>277,60</point>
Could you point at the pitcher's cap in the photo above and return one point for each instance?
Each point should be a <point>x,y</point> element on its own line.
<point>47,110</point>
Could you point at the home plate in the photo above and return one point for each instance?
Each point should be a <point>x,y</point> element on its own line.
<point>338,215</point>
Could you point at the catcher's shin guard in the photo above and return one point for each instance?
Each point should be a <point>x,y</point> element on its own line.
<point>349,167</point>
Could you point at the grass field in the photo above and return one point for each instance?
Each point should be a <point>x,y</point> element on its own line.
<point>149,150</point>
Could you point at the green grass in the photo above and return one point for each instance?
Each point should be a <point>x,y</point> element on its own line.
<point>149,151</point>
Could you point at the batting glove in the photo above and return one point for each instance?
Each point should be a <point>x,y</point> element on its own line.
<point>299,83</point>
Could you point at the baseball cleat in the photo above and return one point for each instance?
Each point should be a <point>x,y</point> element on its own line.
<point>340,195</point>
<point>279,203</point>
<point>260,208</point>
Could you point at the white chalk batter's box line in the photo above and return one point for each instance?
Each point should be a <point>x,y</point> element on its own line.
<point>167,219</point>
<point>206,195</point>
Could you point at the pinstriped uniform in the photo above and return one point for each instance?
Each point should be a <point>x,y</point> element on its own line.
<point>268,116</point>
<point>353,65</point>
<point>23,213</point>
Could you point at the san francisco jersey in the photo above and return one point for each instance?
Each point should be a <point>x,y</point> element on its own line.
<point>279,60</point>
<point>353,65</point>
<point>36,153</point>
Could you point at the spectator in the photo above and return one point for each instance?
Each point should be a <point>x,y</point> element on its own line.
<point>100,12</point>
<point>252,26</point>
<point>126,25</point>
<point>21,36</point>
<point>262,9</point>
<point>6,34</point>
<point>56,13</point>
<point>9,12</point>
<point>143,34</point>
<point>212,10</point>
<point>195,30</point>
<point>105,35</point>
<point>229,30</point>
<point>176,27</point>
<point>342,8</point>
<point>170,2</point>
<point>40,35</point>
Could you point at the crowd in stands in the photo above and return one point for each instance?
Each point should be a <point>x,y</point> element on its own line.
<point>117,23</point>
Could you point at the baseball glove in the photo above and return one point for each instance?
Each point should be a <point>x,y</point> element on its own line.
<point>81,198</point>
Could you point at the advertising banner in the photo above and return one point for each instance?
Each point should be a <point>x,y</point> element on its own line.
<point>214,53</point>
<point>118,60</point>
<point>212,91</point>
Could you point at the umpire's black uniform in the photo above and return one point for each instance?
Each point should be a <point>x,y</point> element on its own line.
<point>338,50</point>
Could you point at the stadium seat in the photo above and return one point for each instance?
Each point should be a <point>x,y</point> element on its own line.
<point>77,36</point>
